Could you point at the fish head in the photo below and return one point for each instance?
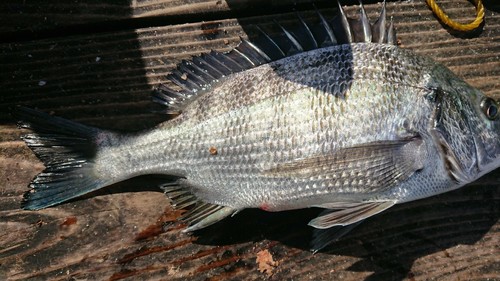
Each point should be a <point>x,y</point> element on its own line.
<point>466,127</point>
<point>486,131</point>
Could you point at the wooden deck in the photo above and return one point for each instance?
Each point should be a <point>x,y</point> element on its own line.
<point>97,63</point>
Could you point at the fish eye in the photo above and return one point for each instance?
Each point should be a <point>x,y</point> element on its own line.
<point>490,108</point>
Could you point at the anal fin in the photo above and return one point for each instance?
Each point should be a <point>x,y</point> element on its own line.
<point>200,214</point>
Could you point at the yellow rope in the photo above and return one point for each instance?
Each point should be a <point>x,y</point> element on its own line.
<point>455,25</point>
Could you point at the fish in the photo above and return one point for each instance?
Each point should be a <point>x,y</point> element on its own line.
<point>333,115</point>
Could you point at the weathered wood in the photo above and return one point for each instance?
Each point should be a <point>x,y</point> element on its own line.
<point>105,79</point>
<point>30,18</point>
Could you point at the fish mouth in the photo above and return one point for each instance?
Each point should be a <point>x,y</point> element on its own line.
<point>485,163</point>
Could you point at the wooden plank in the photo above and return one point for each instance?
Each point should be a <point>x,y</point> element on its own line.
<point>40,15</point>
<point>38,18</point>
<point>104,79</point>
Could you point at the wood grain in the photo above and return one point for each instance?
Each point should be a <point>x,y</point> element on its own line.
<point>24,20</point>
<point>105,78</point>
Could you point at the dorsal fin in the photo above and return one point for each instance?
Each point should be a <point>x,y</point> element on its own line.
<point>199,74</point>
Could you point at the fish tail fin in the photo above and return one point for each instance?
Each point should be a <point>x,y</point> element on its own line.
<point>67,149</point>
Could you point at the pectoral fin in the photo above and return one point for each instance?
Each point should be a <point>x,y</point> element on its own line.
<point>200,214</point>
<point>371,167</point>
<point>353,214</point>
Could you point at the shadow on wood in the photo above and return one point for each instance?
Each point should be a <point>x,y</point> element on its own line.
<point>82,77</point>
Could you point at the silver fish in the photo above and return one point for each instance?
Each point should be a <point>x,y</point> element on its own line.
<point>334,115</point>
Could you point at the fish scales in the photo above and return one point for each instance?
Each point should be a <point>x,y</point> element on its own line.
<point>274,114</point>
<point>350,123</point>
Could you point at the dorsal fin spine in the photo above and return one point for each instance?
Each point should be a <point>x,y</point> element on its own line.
<point>391,34</point>
<point>245,57</point>
<point>212,60</point>
<point>365,23</point>
<point>176,77</point>
<point>243,62</point>
<point>189,78</point>
<point>203,73</point>
<point>327,28</point>
<point>193,72</point>
<point>273,43</point>
<point>167,91</point>
<point>200,61</point>
<point>227,62</point>
<point>310,35</point>
<point>290,37</point>
<point>170,98</point>
<point>255,49</point>
<point>199,75</point>
<point>379,26</point>
<point>345,23</point>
